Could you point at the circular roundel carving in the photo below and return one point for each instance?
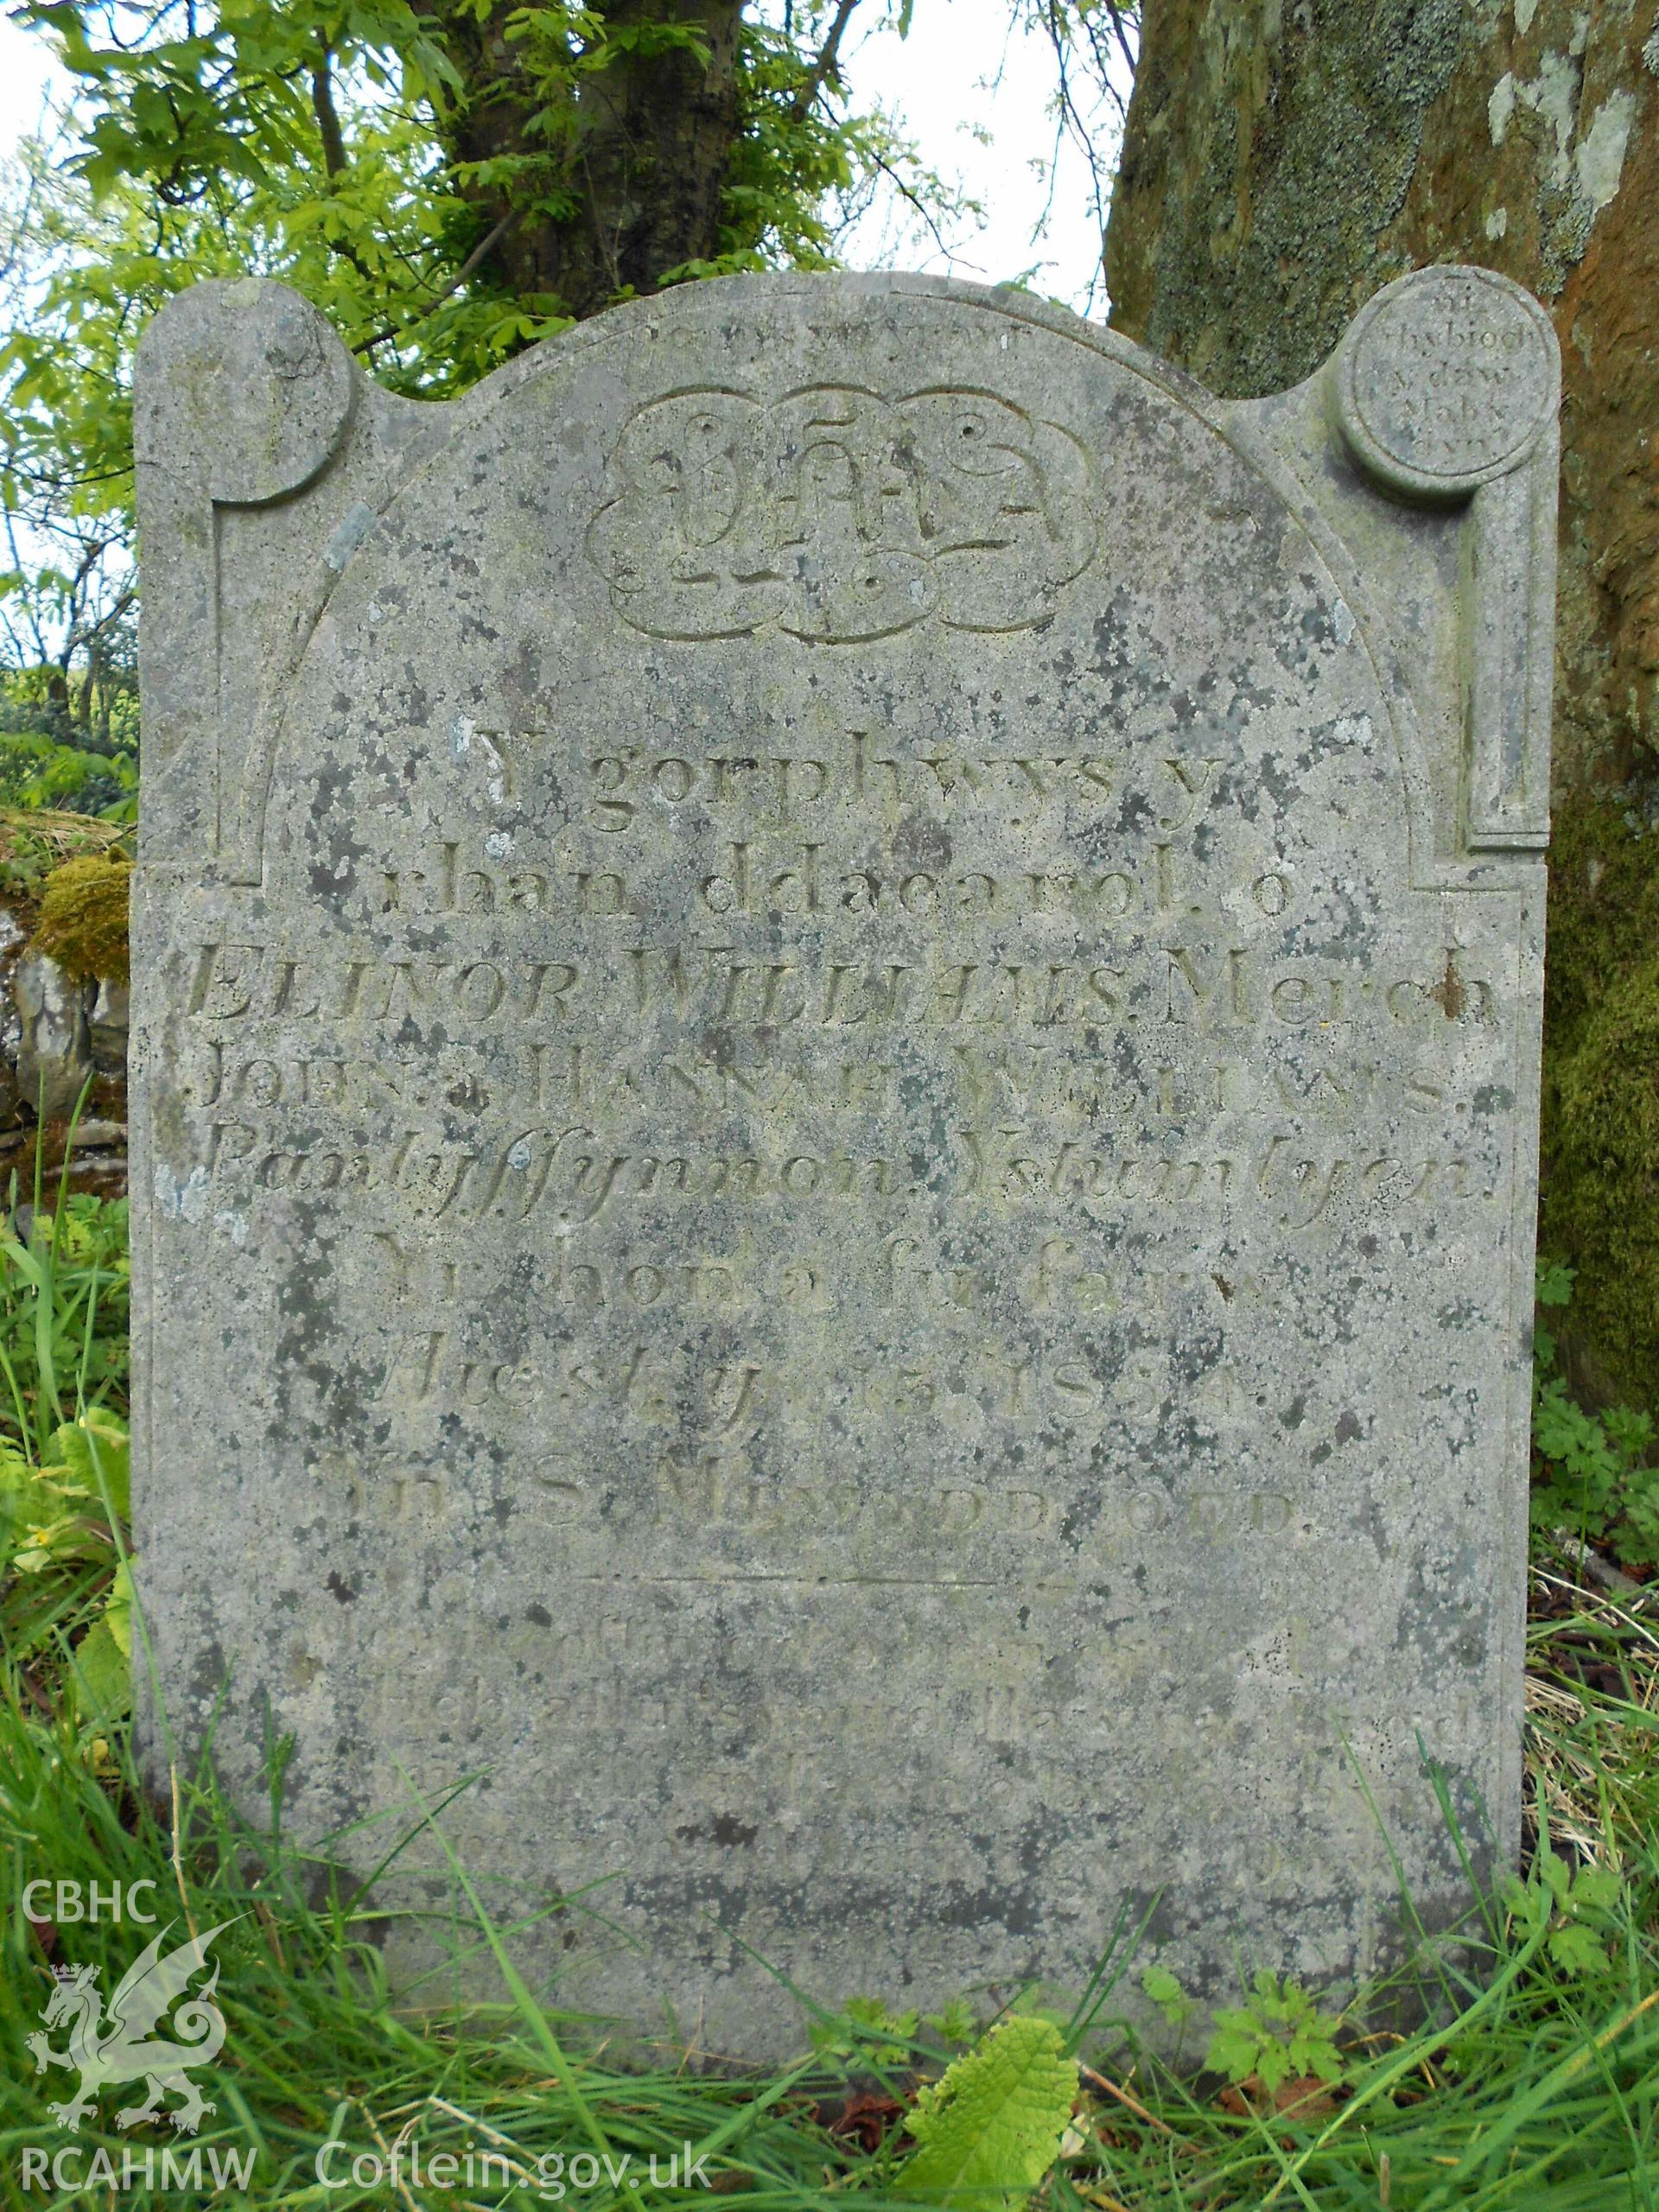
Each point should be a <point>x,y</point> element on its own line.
<point>1445,379</point>
<point>287,383</point>
<point>256,388</point>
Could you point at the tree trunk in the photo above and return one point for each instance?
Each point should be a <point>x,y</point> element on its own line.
<point>1282,160</point>
<point>600,193</point>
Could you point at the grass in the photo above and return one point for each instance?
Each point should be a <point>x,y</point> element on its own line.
<point>1535,2091</point>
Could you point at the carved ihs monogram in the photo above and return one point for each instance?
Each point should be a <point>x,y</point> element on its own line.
<point>836,515</point>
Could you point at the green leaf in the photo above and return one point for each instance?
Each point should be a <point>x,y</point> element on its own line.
<point>1166,1993</point>
<point>16,1491</point>
<point>956,2024</point>
<point>1597,1888</point>
<point>990,2128</point>
<point>1279,2032</point>
<point>858,2031</point>
<point>1272,2064</point>
<point>1577,1949</point>
<point>1233,2049</point>
<point>1641,1540</point>
<point>104,1675</point>
<point>1311,2051</point>
<point>98,1454</point>
<point>117,1614</point>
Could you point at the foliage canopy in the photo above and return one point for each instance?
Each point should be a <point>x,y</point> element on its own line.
<point>449,183</point>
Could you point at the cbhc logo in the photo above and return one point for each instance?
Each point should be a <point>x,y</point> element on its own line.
<point>71,1901</point>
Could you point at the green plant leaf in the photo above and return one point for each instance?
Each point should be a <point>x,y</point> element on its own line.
<point>117,1614</point>
<point>1233,2049</point>
<point>1599,1888</point>
<point>104,1675</point>
<point>1166,1993</point>
<point>1577,1949</point>
<point>1272,2064</point>
<point>96,1446</point>
<point>1311,2051</point>
<point>16,1486</point>
<point>989,2129</point>
<point>955,2024</point>
<point>1280,2032</point>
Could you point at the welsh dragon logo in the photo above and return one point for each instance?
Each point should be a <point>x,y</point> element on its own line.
<point>116,2049</point>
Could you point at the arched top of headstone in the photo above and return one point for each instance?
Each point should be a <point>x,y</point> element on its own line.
<point>827,466</point>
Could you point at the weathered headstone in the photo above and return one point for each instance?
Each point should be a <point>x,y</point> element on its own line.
<point>836,1012</point>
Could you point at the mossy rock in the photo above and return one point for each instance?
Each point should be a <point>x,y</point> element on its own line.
<point>1601,1193</point>
<point>83,921</point>
<point>1607,1202</point>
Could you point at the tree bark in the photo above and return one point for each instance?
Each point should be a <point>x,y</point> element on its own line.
<point>599,194</point>
<point>1282,160</point>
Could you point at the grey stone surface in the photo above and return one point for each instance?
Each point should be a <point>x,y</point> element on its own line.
<point>107,1029</point>
<point>13,938</point>
<point>54,1053</point>
<point>834,1075</point>
<point>11,1105</point>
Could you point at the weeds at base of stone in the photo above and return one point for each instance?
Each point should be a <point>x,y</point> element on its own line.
<point>1535,2092</point>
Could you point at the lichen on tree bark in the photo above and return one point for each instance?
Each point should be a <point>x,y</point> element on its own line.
<point>1283,159</point>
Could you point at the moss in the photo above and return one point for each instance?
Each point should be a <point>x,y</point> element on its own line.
<point>1601,1096</point>
<point>36,839</point>
<point>1266,150</point>
<point>83,924</point>
<point>1603,1204</point>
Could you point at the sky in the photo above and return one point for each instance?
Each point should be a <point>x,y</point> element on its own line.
<point>974,97</point>
<point>977,101</point>
<point>26,73</point>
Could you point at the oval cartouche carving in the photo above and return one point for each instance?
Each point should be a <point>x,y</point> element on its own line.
<point>837,516</point>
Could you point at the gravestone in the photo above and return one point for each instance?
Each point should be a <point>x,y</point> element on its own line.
<point>836,1005</point>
